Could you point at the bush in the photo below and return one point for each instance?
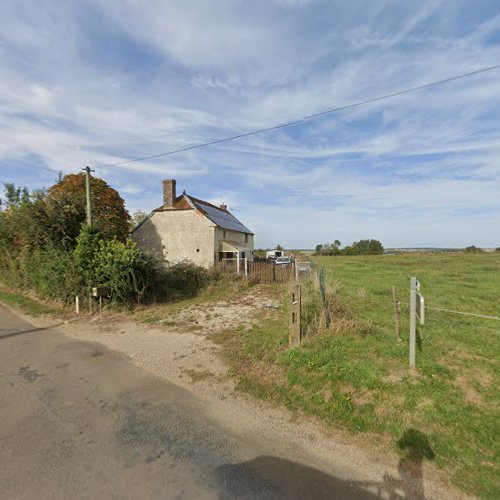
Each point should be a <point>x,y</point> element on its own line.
<point>362,247</point>
<point>180,280</point>
<point>50,272</point>
<point>87,246</point>
<point>365,247</point>
<point>47,271</point>
<point>472,249</point>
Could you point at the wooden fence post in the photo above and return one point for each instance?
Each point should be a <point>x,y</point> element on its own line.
<point>294,334</point>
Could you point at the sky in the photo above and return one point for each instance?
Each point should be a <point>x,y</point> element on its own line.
<point>100,82</point>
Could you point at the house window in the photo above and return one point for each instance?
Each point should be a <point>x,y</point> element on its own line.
<point>243,255</point>
<point>246,238</point>
<point>224,234</point>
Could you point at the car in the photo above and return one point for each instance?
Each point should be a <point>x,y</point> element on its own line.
<point>283,261</point>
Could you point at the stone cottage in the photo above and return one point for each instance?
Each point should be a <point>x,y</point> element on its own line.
<point>185,228</point>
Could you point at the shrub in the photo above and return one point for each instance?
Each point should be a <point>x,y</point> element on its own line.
<point>365,247</point>
<point>47,271</point>
<point>123,268</point>
<point>87,246</point>
<point>181,280</point>
<point>119,265</point>
<point>362,247</point>
<point>50,272</point>
<point>472,249</point>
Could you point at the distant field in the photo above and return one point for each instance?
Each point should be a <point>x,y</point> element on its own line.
<point>448,412</point>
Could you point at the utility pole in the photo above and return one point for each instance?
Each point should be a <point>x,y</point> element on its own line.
<point>88,177</point>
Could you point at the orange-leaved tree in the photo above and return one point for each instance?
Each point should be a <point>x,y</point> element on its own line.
<point>67,203</point>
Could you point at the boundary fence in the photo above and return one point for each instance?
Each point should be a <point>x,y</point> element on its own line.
<point>262,272</point>
<point>271,273</point>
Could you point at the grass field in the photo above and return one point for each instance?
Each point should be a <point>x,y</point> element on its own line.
<point>447,412</point>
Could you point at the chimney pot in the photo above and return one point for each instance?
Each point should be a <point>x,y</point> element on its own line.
<point>223,206</point>
<point>169,193</point>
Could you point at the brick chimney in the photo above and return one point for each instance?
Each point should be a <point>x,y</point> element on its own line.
<point>169,193</point>
<point>223,206</point>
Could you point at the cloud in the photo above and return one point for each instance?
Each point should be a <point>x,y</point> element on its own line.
<point>102,82</point>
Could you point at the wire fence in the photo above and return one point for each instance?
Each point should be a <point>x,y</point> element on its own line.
<point>477,315</point>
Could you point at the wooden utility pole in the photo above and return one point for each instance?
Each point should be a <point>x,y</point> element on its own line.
<point>396,314</point>
<point>88,184</point>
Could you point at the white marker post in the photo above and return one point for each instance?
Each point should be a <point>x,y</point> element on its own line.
<point>413,319</point>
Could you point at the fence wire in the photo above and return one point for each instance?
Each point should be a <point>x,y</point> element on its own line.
<point>322,290</point>
<point>477,315</point>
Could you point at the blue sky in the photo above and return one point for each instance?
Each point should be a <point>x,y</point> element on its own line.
<point>99,82</point>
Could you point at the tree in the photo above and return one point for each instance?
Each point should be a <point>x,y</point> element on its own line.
<point>472,249</point>
<point>279,247</point>
<point>15,196</point>
<point>66,206</point>
<point>365,247</point>
<point>137,218</point>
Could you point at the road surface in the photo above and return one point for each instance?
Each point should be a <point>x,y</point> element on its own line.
<point>80,421</point>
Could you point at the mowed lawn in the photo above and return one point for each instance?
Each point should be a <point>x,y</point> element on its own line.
<point>447,412</point>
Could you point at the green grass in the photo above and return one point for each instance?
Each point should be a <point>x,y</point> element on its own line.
<point>27,305</point>
<point>361,382</point>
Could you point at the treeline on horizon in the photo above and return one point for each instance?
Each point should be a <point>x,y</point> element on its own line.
<point>362,247</point>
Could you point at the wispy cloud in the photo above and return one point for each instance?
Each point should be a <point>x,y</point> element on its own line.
<point>100,82</point>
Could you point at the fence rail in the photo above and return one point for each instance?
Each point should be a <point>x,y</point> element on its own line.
<point>265,272</point>
<point>262,272</point>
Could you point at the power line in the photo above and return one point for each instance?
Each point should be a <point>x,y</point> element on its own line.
<point>308,117</point>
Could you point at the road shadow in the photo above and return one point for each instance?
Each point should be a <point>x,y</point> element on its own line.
<point>24,332</point>
<point>270,477</point>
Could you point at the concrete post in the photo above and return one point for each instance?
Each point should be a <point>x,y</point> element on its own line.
<point>413,319</point>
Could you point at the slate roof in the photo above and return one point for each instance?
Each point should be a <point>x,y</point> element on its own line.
<point>223,218</point>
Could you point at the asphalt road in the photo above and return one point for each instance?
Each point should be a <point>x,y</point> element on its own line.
<point>80,421</point>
